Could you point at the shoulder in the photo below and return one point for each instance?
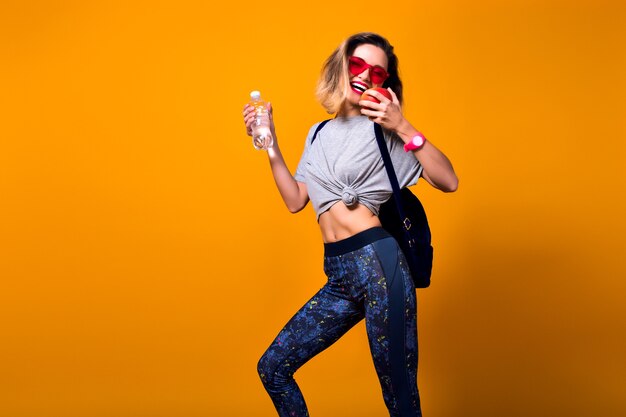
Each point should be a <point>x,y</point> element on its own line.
<point>315,129</point>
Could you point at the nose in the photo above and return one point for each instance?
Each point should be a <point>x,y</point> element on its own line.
<point>365,75</point>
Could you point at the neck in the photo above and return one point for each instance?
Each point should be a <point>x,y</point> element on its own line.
<point>349,110</point>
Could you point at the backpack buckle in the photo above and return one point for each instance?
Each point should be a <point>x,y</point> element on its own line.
<point>407,223</point>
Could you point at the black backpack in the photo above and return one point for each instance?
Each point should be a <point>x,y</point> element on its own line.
<point>404,218</point>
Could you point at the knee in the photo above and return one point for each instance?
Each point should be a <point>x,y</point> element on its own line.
<point>263,367</point>
<point>273,376</point>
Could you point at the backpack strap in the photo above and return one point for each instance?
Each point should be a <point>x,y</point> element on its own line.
<point>318,128</point>
<point>380,139</point>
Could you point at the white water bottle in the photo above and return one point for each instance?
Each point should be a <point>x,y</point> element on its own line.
<point>261,134</point>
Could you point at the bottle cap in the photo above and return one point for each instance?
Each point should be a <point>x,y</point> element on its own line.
<point>255,95</point>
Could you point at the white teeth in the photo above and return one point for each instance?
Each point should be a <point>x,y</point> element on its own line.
<point>359,87</point>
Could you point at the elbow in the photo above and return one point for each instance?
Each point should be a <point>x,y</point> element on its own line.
<point>297,204</point>
<point>451,186</point>
<point>293,209</point>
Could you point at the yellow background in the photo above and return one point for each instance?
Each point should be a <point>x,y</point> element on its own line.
<point>147,260</point>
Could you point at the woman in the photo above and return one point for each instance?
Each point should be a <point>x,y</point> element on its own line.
<point>342,173</point>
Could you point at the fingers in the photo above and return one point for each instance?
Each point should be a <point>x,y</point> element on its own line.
<point>394,96</point>
<point>373,106</point>
<point>247,109</point>
<point>248,118</point>
<point>373,115</point>
<point>248,114</point>
<point>382,113</point>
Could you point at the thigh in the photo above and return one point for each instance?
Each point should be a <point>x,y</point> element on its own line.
<point>316,326</point>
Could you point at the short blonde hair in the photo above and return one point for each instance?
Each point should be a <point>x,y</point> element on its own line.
<point>333,85</point>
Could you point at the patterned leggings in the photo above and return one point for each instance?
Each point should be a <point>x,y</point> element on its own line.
<point>367,278</point>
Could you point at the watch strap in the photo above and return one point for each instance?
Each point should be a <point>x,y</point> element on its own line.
<point>411,145</point>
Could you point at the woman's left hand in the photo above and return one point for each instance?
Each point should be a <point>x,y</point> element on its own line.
<point>387,113</point>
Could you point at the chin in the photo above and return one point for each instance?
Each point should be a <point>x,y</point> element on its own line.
<point>354,98</point>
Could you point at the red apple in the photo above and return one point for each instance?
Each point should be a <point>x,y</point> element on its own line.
<point>382,91</point>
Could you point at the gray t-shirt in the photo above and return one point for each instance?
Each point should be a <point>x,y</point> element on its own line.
<point>344,164</point>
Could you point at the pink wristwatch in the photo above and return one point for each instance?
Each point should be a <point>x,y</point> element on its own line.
<point>415,143</point>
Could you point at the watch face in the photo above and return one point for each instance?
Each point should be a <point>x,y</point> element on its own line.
<point>416,142</point>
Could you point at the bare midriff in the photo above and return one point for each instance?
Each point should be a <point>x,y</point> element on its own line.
<point>340,221</point>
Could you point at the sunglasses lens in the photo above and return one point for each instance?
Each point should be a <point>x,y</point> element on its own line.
<point>378,75</point>
<point>356,65</point>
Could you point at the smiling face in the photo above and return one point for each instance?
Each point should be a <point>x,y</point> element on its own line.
<point>370,77</point>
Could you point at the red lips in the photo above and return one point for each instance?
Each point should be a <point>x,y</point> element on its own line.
<point>358,87</point>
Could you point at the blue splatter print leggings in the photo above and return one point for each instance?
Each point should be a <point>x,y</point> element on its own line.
<point>367,278</point>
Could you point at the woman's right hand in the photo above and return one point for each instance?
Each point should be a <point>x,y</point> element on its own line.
<point>248,118</point>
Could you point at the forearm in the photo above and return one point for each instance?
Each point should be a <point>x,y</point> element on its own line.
<point>294,197</point>
<point>438,169</point>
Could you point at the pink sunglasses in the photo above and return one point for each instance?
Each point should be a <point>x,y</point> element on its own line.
<point>357,65</point>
